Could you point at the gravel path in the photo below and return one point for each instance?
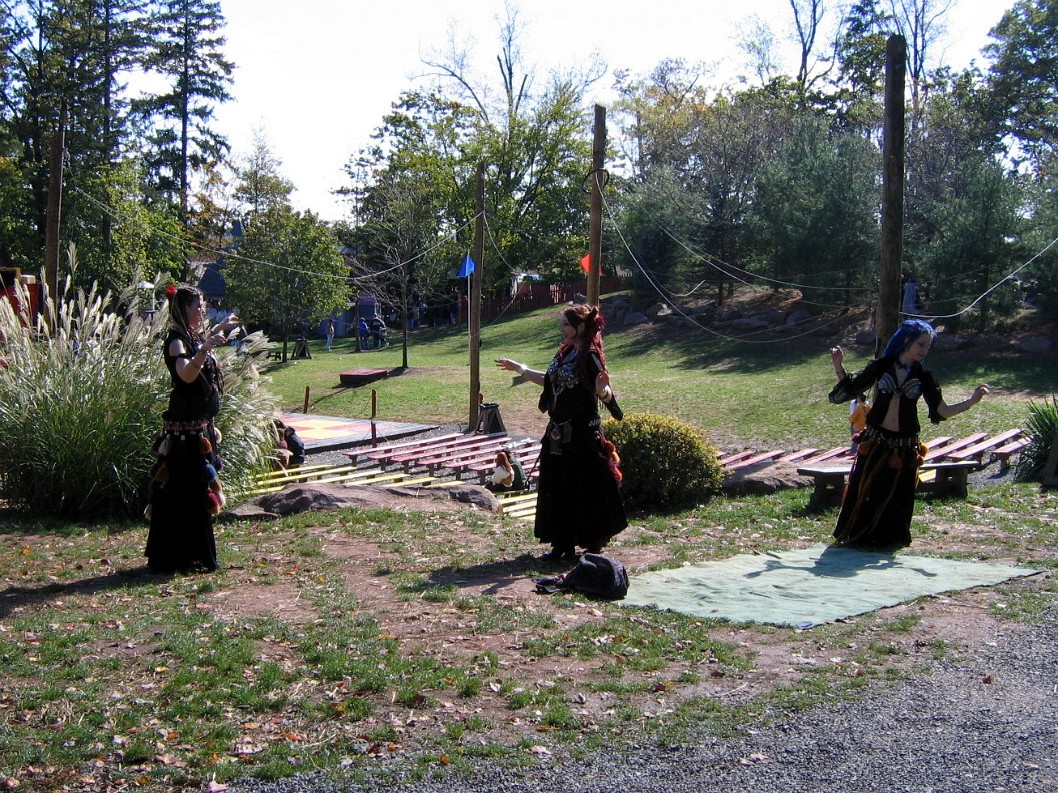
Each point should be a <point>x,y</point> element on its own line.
<point>987,721</point>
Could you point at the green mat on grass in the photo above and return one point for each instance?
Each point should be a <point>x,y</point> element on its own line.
<point>808,586</point>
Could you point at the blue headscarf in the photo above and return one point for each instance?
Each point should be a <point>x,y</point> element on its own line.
<point>909,330</point>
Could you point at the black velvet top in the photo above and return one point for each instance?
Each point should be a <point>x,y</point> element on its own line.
<point>569,394</point>
<point>198,400</point>
<point>881,373</point>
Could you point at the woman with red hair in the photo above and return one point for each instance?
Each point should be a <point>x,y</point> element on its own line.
<point>578,498</point>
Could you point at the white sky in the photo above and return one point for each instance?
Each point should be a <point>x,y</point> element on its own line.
<point>317,76</point>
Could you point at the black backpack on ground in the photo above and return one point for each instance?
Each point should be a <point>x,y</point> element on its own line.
<point>594,574</point>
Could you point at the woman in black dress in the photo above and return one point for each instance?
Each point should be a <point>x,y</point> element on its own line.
<point>184,487</point>
<point>578,498</point>
<point>878,502</point>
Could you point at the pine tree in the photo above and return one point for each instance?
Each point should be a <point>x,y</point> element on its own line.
<point>187,51</point>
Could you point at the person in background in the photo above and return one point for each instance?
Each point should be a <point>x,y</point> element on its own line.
<point>879,499</point>
<point>295,445</point>
<point>508,474</point>
<point>331,329</point>
<point>184,476</point>
<point>578,495</point>
<point>857,417</point>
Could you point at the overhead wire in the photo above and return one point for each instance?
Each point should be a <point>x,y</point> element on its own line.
<point>708,259</point>
<point>990,289</point>
<point>744,339</point>
<point>236,255</point>
<point>730,269</point>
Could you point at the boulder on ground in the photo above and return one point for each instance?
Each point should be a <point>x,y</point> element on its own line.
<point>310,496</point>
<point>763,479</point>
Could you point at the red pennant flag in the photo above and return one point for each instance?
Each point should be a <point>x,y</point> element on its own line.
<point>585,262</point>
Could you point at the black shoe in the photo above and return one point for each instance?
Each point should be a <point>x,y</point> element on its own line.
<point>556,554</point>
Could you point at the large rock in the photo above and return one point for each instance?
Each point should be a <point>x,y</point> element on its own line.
<point>311,496</point>
<point>1036,345</point>
<point>950,342</point>
<point>763,479</point>
<point>636,318</point>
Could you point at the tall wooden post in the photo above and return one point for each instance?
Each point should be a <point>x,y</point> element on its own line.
<point>888,315</point>
<point>474,309</point>
<point>598,158</point>
<point>54,212</point>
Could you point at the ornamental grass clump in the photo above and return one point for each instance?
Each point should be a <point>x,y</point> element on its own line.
<point>1042,432</point>
<point>81,400</point>
<point>666,464</point>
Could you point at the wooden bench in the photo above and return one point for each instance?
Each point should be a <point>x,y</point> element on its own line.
<point>731,459</point>
<point>942,478</point>
<point>429,455</point>
<point>831,454</point>
<point>978,450</point>
<point>383,451</point>
<point>798,456</point>
<point>457,459</point>
<point>761,457</point>
<point>1005,452</point>
<point>939,451</point>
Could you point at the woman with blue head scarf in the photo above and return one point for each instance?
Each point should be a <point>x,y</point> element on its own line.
<point>878,502</point>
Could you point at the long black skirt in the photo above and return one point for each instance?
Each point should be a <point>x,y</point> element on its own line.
<point>181,511</point>
<point>879,500</point>
<point>578,499</point>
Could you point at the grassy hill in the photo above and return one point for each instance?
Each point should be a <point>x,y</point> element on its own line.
<point>759,394</point>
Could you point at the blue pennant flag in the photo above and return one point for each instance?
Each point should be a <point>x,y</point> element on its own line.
<point>467,268</point>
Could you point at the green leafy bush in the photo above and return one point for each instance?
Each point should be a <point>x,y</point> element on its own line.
<point>666,464</point>
<point>81,401</point>
<point>1042,429</point>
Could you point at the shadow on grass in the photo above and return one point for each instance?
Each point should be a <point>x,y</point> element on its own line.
<point>19,596</point>
<point>492,576</point>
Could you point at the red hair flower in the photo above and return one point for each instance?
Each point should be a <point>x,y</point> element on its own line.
<point>170,290</point>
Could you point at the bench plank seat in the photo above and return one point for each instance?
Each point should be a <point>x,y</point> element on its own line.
<point>977,450</point>
<point>1004,453</point>
<point>832,454</point>
<point>439,458</point>
<point>734,458</point>
<point>757,458</point>
<point>383,450</point>
<point>939,452</point>
<point>796,457</point>
<point>948,478</point>
<point>411,458</point>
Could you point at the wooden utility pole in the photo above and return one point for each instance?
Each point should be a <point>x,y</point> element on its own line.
<point>888,314</point>
<point>598,158</point>
<point>474,308</point>
<point>54,212</point>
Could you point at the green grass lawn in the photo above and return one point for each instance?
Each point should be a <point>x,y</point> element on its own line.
<point>374,640</point>
<point>761,395</point>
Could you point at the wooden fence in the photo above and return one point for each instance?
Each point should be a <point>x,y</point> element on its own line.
<point>533,296</point>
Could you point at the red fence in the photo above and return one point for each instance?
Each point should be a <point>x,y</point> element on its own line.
<point>533,296</point>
